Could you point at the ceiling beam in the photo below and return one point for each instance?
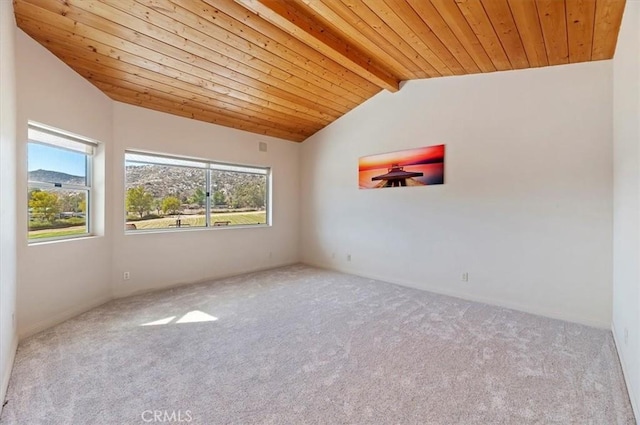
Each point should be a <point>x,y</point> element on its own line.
<point>284,15</point>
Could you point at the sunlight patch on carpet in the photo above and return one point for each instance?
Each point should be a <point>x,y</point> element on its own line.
<point>197,316</point>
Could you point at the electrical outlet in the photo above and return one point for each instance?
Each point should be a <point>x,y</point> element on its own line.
<point>348,257</point>
<point>465,277</point>
<point>333,255</point>
<point>126,276</point>
<point>626,336</point>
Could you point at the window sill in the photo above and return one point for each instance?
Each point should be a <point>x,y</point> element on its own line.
<point>50,241</point>
<point>194,229</point>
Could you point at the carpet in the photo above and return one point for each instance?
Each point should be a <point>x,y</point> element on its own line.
<point>300,345</point>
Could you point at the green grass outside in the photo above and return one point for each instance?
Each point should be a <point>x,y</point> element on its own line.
<point>57,233</point>
<point>57,224</point>
<point>235,219</point>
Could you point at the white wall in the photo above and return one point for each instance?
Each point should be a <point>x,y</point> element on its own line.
<point>527,205</point>
<point>626,230</point>
<point>526,208</point>
<point>8,336</point>
<point>60,279</point>
<point>163,259</point>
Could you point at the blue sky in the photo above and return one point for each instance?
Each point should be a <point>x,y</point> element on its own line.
<point>42,157</point>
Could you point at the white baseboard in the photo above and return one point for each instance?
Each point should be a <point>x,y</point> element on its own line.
<point>61,317</point>
<point>470,297</point>
<point>633,395</point>
<point>118,295</point>
<point>70,313</point>
<point>7,368</point>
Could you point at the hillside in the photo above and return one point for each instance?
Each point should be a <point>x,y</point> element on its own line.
<point>49,176</point>
<point>183,183</point>
<point>228,187</point>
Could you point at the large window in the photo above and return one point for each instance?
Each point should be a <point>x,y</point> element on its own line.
<point>164,192</point>
<point>59,167</point>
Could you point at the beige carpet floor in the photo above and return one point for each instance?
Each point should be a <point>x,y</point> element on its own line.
<point>299,345</point>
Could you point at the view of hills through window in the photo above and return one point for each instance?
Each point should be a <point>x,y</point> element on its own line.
<point>160,196</point>
<point>58,192</point>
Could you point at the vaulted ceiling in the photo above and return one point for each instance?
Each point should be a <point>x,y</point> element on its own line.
<point>287,68</point>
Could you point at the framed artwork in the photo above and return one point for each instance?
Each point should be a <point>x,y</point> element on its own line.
<point>412,167</point>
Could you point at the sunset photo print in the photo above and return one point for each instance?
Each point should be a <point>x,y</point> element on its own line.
<point>413,167</point>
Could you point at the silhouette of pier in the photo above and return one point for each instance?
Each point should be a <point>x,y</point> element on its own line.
<point>396,177</point>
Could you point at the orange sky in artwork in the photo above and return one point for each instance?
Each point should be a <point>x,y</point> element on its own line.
<point>408,157</point>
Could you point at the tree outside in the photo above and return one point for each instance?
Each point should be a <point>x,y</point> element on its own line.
<point>139,201</point>
<point>171,205</point>
<point>199,197</point>
<point>71,202</point>
<point>44,204</point>
<point>157,205</point>
<point>219,198</point>
<point>249,195</point>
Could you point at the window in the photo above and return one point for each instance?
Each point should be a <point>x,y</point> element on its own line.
<point>59,184</point>
<point>164,192</point>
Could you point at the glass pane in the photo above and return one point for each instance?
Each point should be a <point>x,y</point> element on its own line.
<point>56,213</point>
<point>238,198</point>
<point>164,197</point>
<point>54,165</point>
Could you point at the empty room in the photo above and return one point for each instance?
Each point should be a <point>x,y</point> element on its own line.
<point>319,212</point>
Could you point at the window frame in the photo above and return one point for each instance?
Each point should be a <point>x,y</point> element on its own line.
<point>207,166</point>
<point>91,147</point>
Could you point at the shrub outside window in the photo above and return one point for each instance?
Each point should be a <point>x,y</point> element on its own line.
<point>59,184</point>
<point>164,192</point>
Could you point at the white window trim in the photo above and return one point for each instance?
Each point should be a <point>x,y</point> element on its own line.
<point>207,165</point>
<point>38,130</point>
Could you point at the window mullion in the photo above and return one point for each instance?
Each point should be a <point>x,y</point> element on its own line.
<point>208,199</point>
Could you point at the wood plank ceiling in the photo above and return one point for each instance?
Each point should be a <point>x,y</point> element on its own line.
<point>287,68</point>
